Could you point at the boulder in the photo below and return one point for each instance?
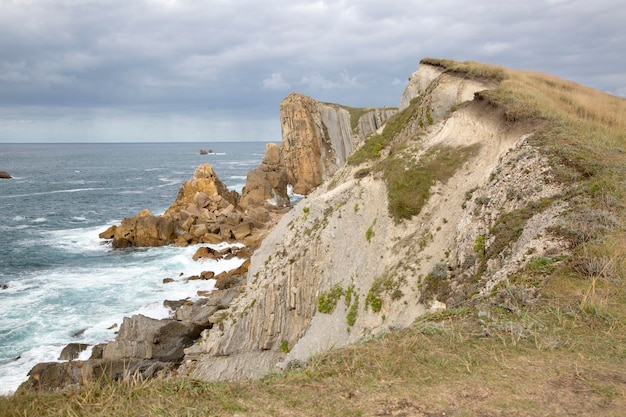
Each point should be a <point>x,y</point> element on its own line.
<point>198,313</point>
<point>5,175</point>
<point>144,230</point>
<point>72,350</point>
<point>52,376</point>
<point>232,278</point>
<point>141,337</point>
<point>267,184</point>
<point>205,252</point>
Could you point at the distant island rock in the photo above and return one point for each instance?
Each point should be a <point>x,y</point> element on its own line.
<point>5,175</point>
<point>206,152</point>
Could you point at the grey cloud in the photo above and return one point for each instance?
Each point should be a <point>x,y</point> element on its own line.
<point>162,60</point>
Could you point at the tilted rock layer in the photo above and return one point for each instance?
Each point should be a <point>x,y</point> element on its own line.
<point>318,138</point>
<point>342,236</point>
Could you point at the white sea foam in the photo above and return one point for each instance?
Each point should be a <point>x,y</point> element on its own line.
<point>13,371</point>
<point>73,190</point>
<point>18,218</point>
<point>89,299</point>
<point>39,220</point>
<point>131,192</point>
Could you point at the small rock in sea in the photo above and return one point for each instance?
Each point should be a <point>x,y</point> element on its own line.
<point>113,326</point>
<point>167,280</point>
<point>5,175</point>
<point>79,332</point>
<point>4,286</point>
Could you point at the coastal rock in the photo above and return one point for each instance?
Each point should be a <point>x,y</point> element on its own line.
<point>51,376</point>
<point>142,337</point>
<point>72,350</point>
<point>198,313</point>
<point>108,234</point>
<point>267,184</point>
<point>144,230</point>
<point>5,175</point>
<point>319,137</point>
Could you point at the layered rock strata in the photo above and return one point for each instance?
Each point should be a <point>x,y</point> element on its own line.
<point>319,137</point>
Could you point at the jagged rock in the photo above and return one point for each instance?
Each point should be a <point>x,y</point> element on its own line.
<point>232,278</point>
<point>267,184</point>
<point>207,274</point>
<point>142,337</point>
<point>318,138</point>
<point>206,253</point>
<point>96,351</point>
<point>204,189</point>
<point>199,312</point>
<point>52,376</point>
<point>5,175</point>
<point>72,350</point>
<point>108,234</point>
<point>143,230</point>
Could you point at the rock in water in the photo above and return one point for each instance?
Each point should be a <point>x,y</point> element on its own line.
<point>72,350</point>
<point>144,230</point>
<point>5,175</point>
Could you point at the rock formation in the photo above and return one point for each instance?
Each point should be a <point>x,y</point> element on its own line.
<point>267,184</point>
<point>341,243</point>
<point>5,175</point>
<point>205,211</point>
<point>318,138</point>
<point>342,235</point>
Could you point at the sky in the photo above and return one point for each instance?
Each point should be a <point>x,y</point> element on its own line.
<point>217,70</point>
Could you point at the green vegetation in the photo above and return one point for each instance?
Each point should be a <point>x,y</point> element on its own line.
<point>327,301</point>
<point>479,246</point>
<point>409,180</point>
<point>353,311</point>
<point>388,285</point>
<point>369,233</point>
<point>284,346</point>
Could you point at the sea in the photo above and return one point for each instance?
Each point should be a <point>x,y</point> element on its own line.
<point>60,283</point>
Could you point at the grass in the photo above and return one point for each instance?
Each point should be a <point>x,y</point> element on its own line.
<point>409,180</point>
<point>549,341</point>
<point>327,300</point>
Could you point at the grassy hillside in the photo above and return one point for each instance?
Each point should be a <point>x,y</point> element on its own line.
<point>560,352</point>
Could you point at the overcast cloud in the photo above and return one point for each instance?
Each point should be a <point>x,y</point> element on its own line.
<point>192,70</point>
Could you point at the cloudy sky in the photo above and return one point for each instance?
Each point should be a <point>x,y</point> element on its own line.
<point>216,70</point>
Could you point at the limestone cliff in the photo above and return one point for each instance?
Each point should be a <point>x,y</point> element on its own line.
<point>341,266</point>
<point>319,137</point>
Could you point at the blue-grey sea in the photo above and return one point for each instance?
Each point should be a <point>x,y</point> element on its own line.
<point>59,283</point>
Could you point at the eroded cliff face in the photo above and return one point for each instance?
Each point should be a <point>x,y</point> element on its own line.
<point>338,267</point>
<point>318,138</point>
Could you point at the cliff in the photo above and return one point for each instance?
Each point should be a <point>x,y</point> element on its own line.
<point>319,137</point>
<point>349,261</point>
<point>474,243</point>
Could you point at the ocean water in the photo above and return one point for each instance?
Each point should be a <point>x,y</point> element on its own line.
<point>60,283</point>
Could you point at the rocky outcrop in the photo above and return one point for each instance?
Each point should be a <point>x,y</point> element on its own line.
<point>5,175</point>
<point>266,186</point>
<point>144,229</point>
<point>205,211</point>
<point>319,137</point>
<point>382,271</point>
